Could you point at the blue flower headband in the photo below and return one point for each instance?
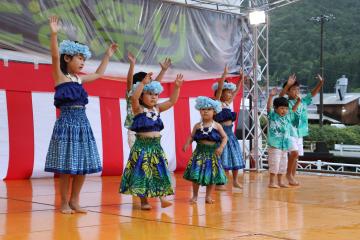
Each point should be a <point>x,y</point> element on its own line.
<point>206,102</point>
<point>72,48</point>
<point>153,86</point>
<point>227,86</point>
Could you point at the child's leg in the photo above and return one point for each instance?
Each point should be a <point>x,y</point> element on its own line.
<point>164,203</point>
<point>195,193</point>
<point>222,187</point>
<point>64,181</point>
<point>282,169</point>
<point>291,169</point>
<point>235,179</point>
<point>209,190</point>
<point>145,204</point>
<point>274,162</point>
<point>77,184</point>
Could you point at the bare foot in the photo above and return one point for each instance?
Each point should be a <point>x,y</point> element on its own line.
<point>237,185</point>
<point>273,185</point>
<point>65,209</point>
<point>220,188</point>
<point>76,208</point>
<point>193,200</point>
<point>145,206</point>
<point>165,203</point>
<point>292,181</point>
<point>209,200</point>
<point>283,185</point>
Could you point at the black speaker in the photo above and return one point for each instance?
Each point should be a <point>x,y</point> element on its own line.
<point>243,113</point>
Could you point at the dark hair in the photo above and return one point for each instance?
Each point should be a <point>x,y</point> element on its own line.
<point>281,102</point>
<point>138,77</point>
<point>63,64</point>
<point>296,84</point>
<point>226,81</point>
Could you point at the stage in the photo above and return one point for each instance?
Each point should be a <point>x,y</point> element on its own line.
<point>324,207</point>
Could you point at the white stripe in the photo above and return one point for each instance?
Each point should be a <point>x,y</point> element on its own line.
<point>44,116</point>
<point>194,117</point>
<point>125,145</point>
<point>94,115</point>
<point>168,136</point>
<point>4,136</point>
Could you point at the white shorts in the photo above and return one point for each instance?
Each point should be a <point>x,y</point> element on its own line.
<point>277,161</point>
<point>297,145</point>
<point>131,138</point>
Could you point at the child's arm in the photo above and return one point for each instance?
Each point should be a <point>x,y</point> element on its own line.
<point>164,67</point>
<point>102,67</point>
<point>298,101</point>
<point>221,83</point>
<point>135,104</point>
<point>55,55</point>
<point>318,86</point>
<point>174,96</point>
<point>190,138</point>
<point>239,83</point>
<point>130,74</point>
<point>272,93</point>
<point>220,149</point>
<point>291,80</point>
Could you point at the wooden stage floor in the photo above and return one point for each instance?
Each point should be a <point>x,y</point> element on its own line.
<point>322,208</point>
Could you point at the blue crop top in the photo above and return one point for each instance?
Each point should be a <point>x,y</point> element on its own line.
<point>225,115</point>
<point>142,123</point>
<point>70,94</point>
<point>214,135</point>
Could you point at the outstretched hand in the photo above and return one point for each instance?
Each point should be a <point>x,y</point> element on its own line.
<point>291,80</point>
<point>318,76</point>
<point>131,58</point>
<point>53,22</point>
<point>112,49</point>
<point>226,71</point>
<point>166,64</point>
<point>273,91</point>
<point>147,78</point>
<point>179,80</point>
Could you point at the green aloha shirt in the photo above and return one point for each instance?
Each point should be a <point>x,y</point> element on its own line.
<point>279,131</point>
<point>299,118</point>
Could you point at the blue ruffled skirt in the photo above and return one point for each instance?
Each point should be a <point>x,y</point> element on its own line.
<point>72,148</point>
<point>231,157</point>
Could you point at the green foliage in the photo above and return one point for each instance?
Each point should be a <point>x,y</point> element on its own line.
<point>333,135</point>
<point>295,42</point>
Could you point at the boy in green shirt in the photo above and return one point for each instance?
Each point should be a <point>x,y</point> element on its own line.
<point>299,120</point>
<point>279,137</point>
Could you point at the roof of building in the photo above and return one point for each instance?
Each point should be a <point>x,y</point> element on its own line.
<point>331,99</point>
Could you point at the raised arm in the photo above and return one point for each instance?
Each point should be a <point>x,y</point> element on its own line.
<point>164,67</point>
<point>174,96</point>
<point>317,88</point>
<point>269,104</point>
<point>190,138</point>
<point>223,135</point>
<point>221,83</point>
<point>130,74</point>
<point>239,84</point>
<point>102,67</point>
<point>135,103</point>
<point>298,101</point>
<point>55,55</point>
<point>291,80</point>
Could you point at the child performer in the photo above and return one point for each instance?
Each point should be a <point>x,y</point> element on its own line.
<point>72,151</point>
<point>146,173</point>
<point>204,167</point>
<point>131,80</point>
<point>299,121</point>
<point>231,158</point>
<point>278,137</point>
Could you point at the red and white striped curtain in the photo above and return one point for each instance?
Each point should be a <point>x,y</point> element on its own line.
<point>27,117</point>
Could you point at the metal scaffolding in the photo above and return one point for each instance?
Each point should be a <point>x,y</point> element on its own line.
<point>255,62</point>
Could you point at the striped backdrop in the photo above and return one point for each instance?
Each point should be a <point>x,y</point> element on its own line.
<point>27,117</point>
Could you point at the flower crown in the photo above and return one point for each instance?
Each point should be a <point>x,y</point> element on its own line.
<point>72,48</point>
<point>227,86</point>
<point>153,86</point>
<point>206,102</point>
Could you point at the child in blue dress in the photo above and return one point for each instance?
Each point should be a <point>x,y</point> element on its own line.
<point>204,167</point>
<point>72,151</point>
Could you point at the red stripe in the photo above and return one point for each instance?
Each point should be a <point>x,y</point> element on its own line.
<point>111,137</point>
<point>182,132</point>
<point>21,134</point>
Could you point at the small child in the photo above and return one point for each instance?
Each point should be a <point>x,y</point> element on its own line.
<point>132,79</point>
<point>278,138</point>
<point>146,173</point>
<point>299,120</point>
<point>204,167</point>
